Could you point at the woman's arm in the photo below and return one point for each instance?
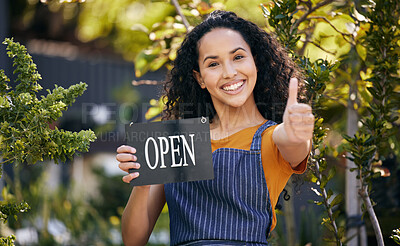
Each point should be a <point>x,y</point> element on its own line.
<point>293,137</point>
<point>294,153</point>
<point>141,213</point>
<point>144,205</point>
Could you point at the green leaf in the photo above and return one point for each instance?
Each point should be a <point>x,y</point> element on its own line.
<point>329,226</point>
<point>341,231</point>
<point>329,194</point>
<point>314,178</point>
<point>376,175</point>
<point>331,173</point>
<point>318,203</point>
<point>338,199</point>
<point>324,181</point>
<point>361,51</point>
<point>335,214</point>
<point>158,63</point>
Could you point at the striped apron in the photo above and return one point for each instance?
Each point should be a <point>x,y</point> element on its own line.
<point>232,209</point>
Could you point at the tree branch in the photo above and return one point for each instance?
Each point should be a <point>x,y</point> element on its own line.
<point>310,10</point>
<point>307,40</point>
<point>179,10</point>
<point>318,46</point>
<point>330,23</point>
<point>363,192</point>
<point>3,162</point>
<point>372,216</point>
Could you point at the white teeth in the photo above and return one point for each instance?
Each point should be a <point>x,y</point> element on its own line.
<point>233,87</point>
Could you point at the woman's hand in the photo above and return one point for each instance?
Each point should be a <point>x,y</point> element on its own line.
<point>298,119</point>
<point>293,137</point>
<point>127,160</point>
<point>144,205</point>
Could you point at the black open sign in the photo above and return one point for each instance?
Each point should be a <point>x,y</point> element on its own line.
<point>171,151</point>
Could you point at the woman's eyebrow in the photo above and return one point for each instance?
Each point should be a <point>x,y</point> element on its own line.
<point>209,57</point>
<point>238,48</point>
<point>231,52</point>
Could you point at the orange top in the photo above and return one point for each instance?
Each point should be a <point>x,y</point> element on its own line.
<point>277,171</point>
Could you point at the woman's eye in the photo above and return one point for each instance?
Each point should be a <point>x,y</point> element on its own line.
<point>238,57</point>
<point>212,64</point>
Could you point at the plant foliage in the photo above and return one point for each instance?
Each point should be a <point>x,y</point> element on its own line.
<point>396,236</point>
<point>374,139</point>
<point>280,16</point>
<point>25,128</point>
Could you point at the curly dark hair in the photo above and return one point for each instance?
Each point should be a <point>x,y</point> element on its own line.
<point>186,99</point>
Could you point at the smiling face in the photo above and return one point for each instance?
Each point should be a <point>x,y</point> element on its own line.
<point>227,68</point>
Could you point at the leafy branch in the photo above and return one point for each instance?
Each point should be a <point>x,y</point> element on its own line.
<point>25,132</point>
<point>310,10</point>
<point>370,144</point>
<point>281,18</point>
<point>318,75</point>
<point>167,36</point>
<point>344,35</point>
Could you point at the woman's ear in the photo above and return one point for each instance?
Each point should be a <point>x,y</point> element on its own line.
<point>199,79</point>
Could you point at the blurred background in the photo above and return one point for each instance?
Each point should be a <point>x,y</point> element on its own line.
<point>113,46</point>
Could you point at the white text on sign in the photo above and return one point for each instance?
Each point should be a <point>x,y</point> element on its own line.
<point>166,144</point>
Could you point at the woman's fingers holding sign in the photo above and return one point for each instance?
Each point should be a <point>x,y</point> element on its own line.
<point>298,118</point>
<point>127,160</point>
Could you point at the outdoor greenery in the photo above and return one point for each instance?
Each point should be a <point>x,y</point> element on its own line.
<point>26,134</point>
<point>349,51</point>
<point>318,73</point>
<point>9,206</point>
<point>76,221</point>
<point>372,142</point>
<point>295,26</point>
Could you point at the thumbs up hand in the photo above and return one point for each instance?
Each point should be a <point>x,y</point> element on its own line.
<point>298,119</point>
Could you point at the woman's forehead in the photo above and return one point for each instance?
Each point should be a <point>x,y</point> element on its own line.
<point>221,39</point>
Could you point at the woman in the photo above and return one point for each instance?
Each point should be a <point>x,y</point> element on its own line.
<point>236,74</point>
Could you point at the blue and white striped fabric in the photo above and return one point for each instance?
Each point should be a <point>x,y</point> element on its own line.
<point>233,207</point>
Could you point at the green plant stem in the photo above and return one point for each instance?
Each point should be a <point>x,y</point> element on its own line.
<point>3,162</point>
<point>16,117</point>
<point>13,158</point>
<point>326,204</point>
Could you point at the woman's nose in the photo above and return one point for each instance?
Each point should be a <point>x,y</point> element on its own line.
<point>229,71</point>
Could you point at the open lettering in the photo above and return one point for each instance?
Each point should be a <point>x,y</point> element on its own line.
<point>170,144</point>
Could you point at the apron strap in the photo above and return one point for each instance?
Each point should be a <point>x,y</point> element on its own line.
<point>256,143</point>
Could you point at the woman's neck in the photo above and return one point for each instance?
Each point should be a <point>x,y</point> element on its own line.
<point>229,120</point>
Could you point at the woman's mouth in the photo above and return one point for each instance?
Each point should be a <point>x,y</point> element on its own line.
<point>233,86</point>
